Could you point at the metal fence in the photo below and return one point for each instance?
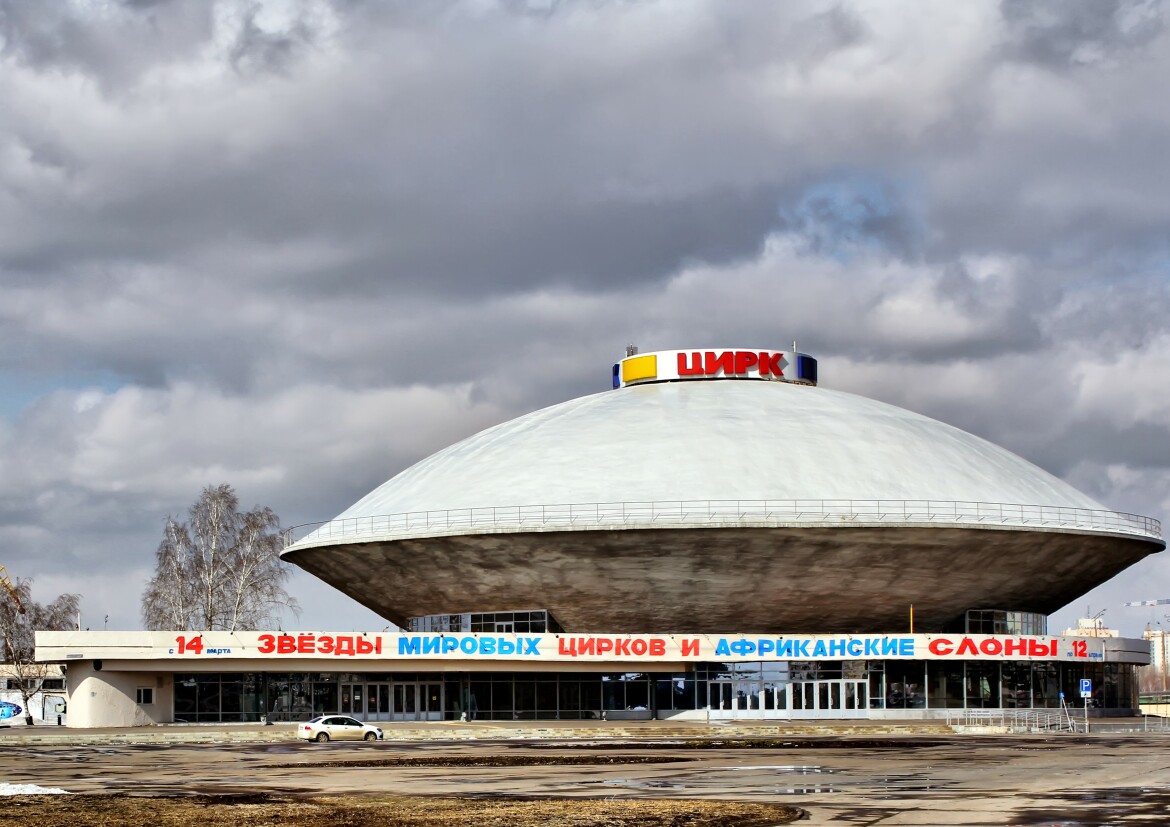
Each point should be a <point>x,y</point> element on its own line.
<point>1017,720</point>
<point>702,513</point>
<point>1155,723</point>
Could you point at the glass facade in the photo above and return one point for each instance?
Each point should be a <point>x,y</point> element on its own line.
<point>517,622</point>
<point>766,689</point>
<point>1001,622</point>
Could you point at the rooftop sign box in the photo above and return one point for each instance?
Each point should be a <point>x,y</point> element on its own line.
<point>716,363</point>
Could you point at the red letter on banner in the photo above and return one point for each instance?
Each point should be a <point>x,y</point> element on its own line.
<point>1038,649</point>
<point>725,362</point>
<point>745,359</point>
<point>695,367</point>
<point>940,646</point>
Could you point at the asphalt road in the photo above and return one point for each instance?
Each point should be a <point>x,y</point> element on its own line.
<point>1064,780</point>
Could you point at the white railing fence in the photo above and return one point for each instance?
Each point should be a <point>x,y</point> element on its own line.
<point>1017,720</point>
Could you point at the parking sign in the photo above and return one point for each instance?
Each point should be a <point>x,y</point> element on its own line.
<point>1086,688</point>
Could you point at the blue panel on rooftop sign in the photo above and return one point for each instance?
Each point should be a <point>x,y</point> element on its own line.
<point>806,368</point>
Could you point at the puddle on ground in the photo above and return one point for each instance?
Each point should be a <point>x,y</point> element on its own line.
<point>646,784</point>
<point>775,779</point>
<point>280,749</point>
<point>1111,807</point>
<point>821,742</point>
<point>779,768</point>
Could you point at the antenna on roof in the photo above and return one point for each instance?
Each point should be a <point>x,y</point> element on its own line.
<point>631,350</point>
<point>794,346</point>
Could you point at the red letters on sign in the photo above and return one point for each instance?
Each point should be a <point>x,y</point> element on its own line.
<point>745,359</point>
<point>192,645</point>
<point>730,363</point>
<point>715,363</point>
<point>770,364</point>
<point>691,368</point>
<point>619,646</point>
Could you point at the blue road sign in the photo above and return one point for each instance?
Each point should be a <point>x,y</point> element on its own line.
<point>1086,688</point>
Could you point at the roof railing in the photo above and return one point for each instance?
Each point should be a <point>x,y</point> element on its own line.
<point>702,513</point>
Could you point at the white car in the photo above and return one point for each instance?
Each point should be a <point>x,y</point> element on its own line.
<point>339,727</point>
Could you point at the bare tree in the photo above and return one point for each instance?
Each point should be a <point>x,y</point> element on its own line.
<point>20,618</point>
<point>219,570</point>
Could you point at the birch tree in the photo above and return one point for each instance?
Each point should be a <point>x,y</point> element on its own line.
<point>220,570</point>
<point>20,618</point>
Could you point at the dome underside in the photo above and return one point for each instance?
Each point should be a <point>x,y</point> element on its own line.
<point>728,580</point>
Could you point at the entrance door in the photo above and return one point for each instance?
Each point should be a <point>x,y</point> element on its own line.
<point>740,699</point>
<point>377,702</point>
<point>418,702</point>
<point>431,701</point>
<point>405,705</point>
<point>366,701</point>
<point>828,699</point>
<point>353,699</point>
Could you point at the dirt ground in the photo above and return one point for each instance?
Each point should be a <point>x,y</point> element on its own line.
<point>1026,781</point>
<point>380,810</point>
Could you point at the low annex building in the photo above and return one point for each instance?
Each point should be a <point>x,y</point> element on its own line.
<point>715,537</point>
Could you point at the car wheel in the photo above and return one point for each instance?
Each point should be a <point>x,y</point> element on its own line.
<point>322,737</point>
<point>371,736</point>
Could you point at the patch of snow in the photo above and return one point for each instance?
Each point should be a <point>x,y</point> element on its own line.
<point>30,789</point>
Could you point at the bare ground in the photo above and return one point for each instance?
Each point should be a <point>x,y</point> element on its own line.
<point>258,810</point>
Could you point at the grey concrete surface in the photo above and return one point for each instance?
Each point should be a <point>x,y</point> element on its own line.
<point>855,778</point>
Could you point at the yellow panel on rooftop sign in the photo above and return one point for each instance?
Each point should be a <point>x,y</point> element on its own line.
<point>640,367</point>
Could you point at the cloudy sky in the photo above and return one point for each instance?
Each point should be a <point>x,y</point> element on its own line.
<point>297,245</point>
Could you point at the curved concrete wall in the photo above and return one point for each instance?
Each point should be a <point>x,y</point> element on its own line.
<point>108,699</point>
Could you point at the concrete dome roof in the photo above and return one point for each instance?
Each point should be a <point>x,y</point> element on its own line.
<point>720,440</point>
<point>723,505</point>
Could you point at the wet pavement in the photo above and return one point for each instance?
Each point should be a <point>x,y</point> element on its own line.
<point>1050,780</point>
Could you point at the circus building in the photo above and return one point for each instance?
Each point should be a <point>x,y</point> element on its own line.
<point>715,536</point>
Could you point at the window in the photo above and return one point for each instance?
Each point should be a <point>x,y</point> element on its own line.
<point>53,683</point>
<point>145,695</point>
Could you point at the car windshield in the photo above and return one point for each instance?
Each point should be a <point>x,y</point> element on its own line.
<point>317,720</point>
